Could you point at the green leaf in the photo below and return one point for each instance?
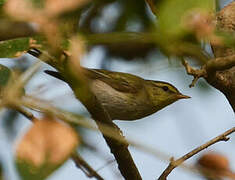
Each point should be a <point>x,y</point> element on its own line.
<point>28,171</point>
<point>179,25</point>
<point>2,3</point>
<point>5,74</point>
<point>12,48</point>
<point>172,13</point>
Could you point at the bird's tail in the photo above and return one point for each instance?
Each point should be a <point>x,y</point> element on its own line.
<point>34,52</point>
<point>55,74</point>
<point>37,53</point>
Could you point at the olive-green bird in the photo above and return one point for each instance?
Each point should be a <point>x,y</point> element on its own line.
<point>126,96</point>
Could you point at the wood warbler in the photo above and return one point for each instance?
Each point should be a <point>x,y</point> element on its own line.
<point>126,96</point>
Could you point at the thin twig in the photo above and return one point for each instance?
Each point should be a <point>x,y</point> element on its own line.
<point>106,164</point>
<point>24,112</point>
<point>27,75</point>
<point>13,104</point>
<point>85,167</point>
<point>196,73</point>
<point>209,68</point>
<point>105,129</point>
<point>174,163</point>
<point>45,107</point>
<point>13,91</point>
<point>78,160</point>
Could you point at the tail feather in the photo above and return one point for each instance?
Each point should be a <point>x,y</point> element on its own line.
<point>34,52</point>
<point>55,74</point>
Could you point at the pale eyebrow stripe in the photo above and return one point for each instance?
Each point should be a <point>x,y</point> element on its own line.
<point>164,83</point>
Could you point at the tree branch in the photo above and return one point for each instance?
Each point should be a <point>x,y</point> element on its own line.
<point>119,149</point>
<point>78,160</point>
<point>220,64</point>
<point>71,71</point>
<point>174,163</point>
<point>224,79</point>
<point>85,167</point>
<point>209,69</point>
<point>219,73</point>
<point>11,30</point>
<point>196,73</point>
<point>24,112</point>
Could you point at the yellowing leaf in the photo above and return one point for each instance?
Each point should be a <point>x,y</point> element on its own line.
<point>46,145</point>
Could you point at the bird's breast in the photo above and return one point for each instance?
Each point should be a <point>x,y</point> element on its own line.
<point>122,105</point>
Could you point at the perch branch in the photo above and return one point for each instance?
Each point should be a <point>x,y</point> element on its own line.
<point>76,80</point>
<point>174,163</point>
<point>71,71</point>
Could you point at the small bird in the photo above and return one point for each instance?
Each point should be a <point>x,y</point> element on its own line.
<point>126,96</point>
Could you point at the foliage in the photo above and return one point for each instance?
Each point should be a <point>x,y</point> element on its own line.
<point>43,149</point>
<point>64,32</point>
<point>5,74</point>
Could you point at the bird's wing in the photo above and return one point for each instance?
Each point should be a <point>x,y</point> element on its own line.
<point>123,82</point>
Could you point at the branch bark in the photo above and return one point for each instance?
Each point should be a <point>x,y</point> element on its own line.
<point>224,79</point>
<point>210,68</point>
<point>174,163</point>
<point>220,71</point>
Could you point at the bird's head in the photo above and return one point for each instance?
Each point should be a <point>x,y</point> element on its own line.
<point>162,93</point>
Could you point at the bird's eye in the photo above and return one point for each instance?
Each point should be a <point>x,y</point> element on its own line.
<point>165,88</point>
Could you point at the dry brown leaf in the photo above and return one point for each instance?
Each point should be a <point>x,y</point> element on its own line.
<point>47,141</point>
<point>215,166</point>
<point>214,161</point>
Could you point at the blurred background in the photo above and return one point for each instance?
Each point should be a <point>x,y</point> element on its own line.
<point>174,130</point>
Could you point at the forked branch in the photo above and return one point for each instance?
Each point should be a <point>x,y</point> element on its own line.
<point>209,69</point>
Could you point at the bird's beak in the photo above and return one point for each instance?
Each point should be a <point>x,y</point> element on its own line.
<point>181,96</point>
